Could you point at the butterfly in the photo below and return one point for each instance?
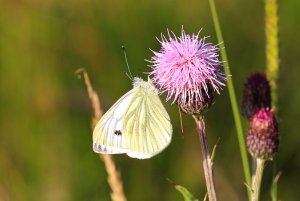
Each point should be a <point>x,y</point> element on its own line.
<point>137,124</point>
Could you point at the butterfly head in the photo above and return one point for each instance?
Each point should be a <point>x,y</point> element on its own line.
<point>146,86</point>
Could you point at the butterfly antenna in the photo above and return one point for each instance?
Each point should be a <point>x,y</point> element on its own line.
<point>125,55</point>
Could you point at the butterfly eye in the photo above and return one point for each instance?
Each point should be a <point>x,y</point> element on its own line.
<point>118,132</point>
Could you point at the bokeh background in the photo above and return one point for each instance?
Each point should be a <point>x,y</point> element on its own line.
<point>45,121</point>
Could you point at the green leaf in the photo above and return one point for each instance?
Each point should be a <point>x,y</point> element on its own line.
<point>213,152</point>
<point>185,193</point>
<point>273,191</point>
<point>249,188</point>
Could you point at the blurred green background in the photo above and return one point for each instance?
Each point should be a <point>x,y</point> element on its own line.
<point>45,133</point>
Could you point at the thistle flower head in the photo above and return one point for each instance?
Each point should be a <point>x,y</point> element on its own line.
<point>188,69</point>
<point>256,94</point>
<point>263,137</point>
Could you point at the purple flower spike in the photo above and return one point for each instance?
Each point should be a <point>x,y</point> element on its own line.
<point>188,69</point>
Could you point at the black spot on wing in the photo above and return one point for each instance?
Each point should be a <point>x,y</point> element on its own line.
<point>118,132</point>
<point>98,148</point>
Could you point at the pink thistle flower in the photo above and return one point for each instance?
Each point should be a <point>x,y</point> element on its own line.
<point>188,69</point>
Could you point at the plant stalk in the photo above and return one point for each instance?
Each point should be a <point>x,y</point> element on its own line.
<point>233,100</point>
<point>113,178</point>
<point>256,183</point>
<point>206,160</point>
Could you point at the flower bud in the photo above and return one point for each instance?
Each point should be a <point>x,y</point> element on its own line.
<point>263,137</point>
<point>256,95</point>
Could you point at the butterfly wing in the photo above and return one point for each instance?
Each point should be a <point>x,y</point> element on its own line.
<point>147,125</point>
<point>109,135</point>
<point>137,124</point>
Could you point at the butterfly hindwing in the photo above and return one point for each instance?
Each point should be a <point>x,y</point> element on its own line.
<point>108,135</point>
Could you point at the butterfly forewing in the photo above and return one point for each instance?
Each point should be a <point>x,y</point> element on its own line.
<point>147,125</point>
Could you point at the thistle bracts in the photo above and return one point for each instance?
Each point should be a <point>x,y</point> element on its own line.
<point>263,137</point>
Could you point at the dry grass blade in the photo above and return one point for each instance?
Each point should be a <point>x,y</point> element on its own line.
<point>113,179</point>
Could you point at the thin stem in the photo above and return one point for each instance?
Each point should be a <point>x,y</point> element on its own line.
<point>206,160</point>
<point>256,183</point>
<point>114,179</point>
<point>234,105</point>
<point>253,168</point>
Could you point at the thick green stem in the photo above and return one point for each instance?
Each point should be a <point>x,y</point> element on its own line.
<point>234,105</point>
<point>256,183</point>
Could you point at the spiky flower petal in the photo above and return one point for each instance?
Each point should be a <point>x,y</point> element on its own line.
<point>188,69</point>
<point>257,94</point>
<point>263,137</point>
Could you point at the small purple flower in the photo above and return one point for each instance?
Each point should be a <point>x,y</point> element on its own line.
<point>188,69</point>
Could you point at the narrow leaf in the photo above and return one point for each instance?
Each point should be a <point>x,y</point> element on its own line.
<point>205,197</point>
<point>184,192</point>
<point>274,187</point>
<point>249,188</point>
<point>213,152</point>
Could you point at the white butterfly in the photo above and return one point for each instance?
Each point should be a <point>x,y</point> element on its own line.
<point>137,124</point>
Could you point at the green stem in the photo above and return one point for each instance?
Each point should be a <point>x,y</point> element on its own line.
<point>234,105</point>
<point>256,183</point>
<point>273,191</point>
